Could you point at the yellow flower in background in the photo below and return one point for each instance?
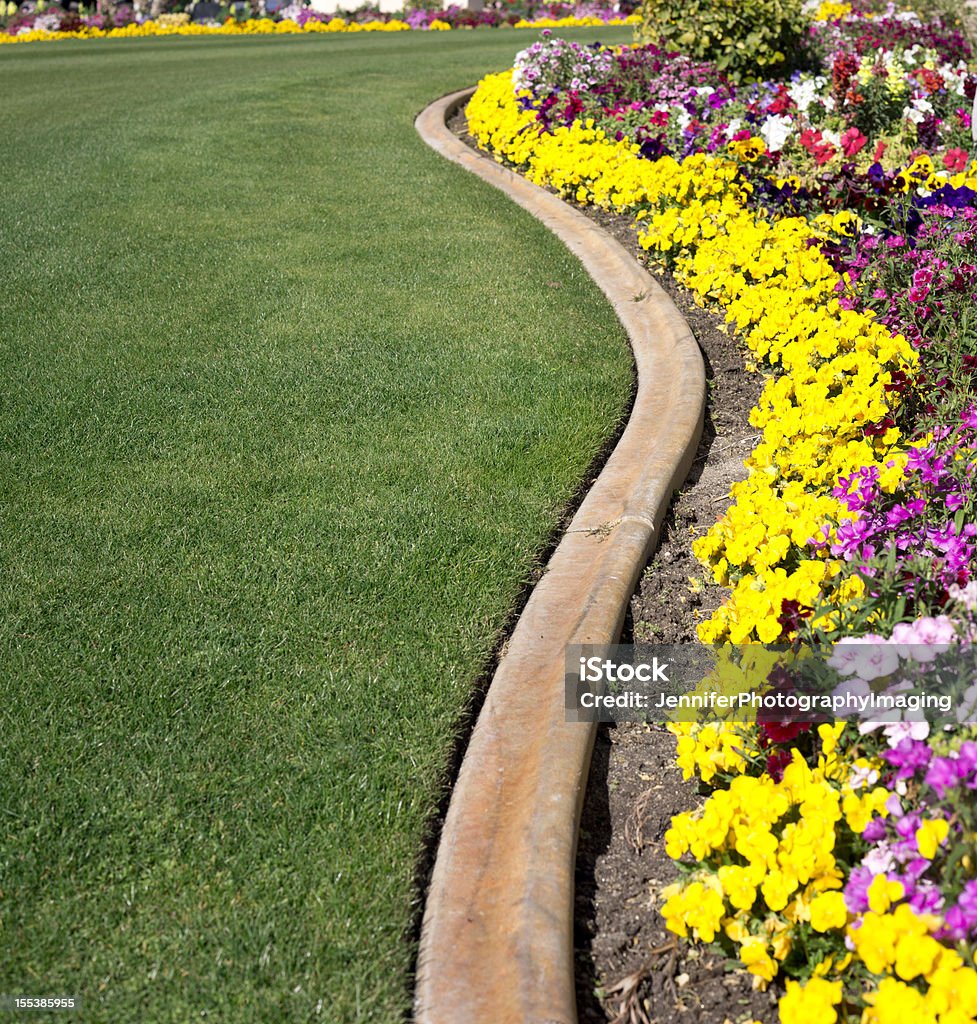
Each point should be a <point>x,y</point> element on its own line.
<point>812,1003</point>
<point>828,911</point>
<point>831,10</point>
<point>757,960</point>
<point>896,1003</point>
<point>929,835</point>
<point>883,892</point>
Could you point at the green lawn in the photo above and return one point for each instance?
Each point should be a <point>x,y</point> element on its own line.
<point>289,407</point>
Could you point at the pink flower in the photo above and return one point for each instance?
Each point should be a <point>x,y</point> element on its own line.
<point>852,141</point>
<point>867,657</point>
<point>922,277</point>
<point>924,639</point>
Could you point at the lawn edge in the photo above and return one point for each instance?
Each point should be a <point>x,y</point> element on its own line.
<point>497,931</point>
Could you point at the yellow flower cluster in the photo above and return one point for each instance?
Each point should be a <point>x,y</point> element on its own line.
<point>766,868</point>
<point>252,26</point>
<point>710,749</point>
<point>813,1003</point>
<point>771,841</point>
<point>163,26</point>
<point>581,162</point>
<point>570,21</point>
<point>780,292</point>
<point>831,10</point>
<point>922,173</point>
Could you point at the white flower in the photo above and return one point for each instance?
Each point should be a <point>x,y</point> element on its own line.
<point>862,776</point>
<point>967,596</point>
<point>805,92</point>
<point>913,729</point>
<point>917,110</point>
<point>776,131</point>
<point>879,859</point>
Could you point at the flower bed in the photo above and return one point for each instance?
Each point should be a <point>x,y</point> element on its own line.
<point>50,23</point>
<point>831,216</point>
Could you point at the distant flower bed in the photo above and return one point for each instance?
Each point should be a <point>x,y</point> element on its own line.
<point>832,218</point>
<point>50,22</point>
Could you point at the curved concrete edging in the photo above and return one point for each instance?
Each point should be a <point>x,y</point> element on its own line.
<point>497,934</point>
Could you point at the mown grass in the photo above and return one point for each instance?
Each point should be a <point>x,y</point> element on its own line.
<point>289,407</point>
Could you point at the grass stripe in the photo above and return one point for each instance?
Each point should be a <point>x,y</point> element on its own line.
<point>289,407</point>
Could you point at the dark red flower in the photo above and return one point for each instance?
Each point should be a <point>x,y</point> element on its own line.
<point>777,762</point>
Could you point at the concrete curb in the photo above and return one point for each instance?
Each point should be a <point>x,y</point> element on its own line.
<point>497,935</point>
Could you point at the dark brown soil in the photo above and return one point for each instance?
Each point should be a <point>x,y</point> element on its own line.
<point>630,969</point>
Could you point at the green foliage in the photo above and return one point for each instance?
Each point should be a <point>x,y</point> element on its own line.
<point>747,39</point>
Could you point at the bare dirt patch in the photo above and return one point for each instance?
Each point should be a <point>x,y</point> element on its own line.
<point>629,967</point>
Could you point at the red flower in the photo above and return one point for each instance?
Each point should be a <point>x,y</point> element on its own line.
<point>809,139</point>
<point>955,160</point>
<point>824,153</point>
<point>878,429</point>
<point>844,68</point>
<point>777,762</point>
<point>782,730</point>
<point>814,143</point>
<point>899,381</point>
<point>782,102</point>
<point>929,80</point>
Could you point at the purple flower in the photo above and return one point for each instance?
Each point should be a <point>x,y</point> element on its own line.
<point>924,897</point>
<point>875,831</point>
<point>956,925</point>
<point>908,757</point>
<point>856,889</point>
<point>907,825</point>
<point>942,775</point>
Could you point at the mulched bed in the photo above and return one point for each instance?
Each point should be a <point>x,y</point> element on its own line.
<point>630,969</point>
